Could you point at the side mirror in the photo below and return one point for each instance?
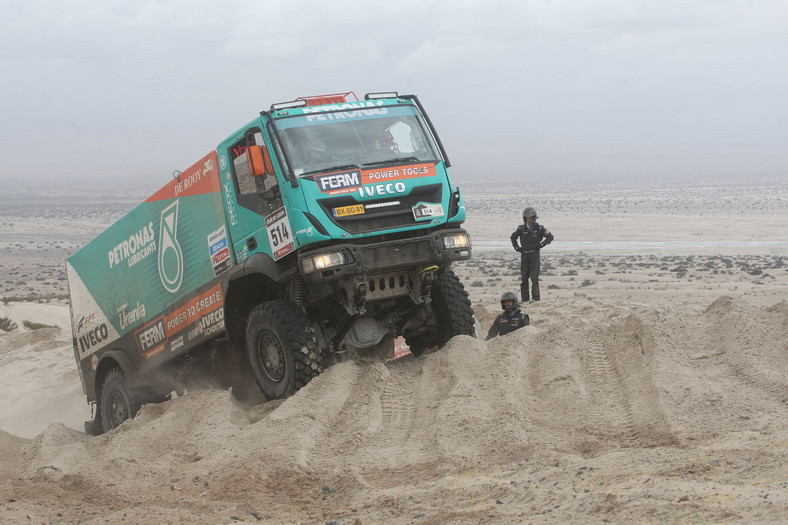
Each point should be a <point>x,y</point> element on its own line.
<point>254,158</point>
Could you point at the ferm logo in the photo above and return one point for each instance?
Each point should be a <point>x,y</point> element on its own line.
<point>170,254</point>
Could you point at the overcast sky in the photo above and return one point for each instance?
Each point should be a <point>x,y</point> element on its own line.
<point>524,89</point>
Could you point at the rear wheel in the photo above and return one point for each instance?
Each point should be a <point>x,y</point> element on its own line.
<point>449,314</point>
<point>118,401</point>
<point>282,348</point>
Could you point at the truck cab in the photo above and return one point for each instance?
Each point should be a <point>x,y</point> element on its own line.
<point>352,201</point>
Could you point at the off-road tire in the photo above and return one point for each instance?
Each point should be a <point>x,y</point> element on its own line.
<point>118,401</point>
<point>452,311</point>
<point>282,348</point>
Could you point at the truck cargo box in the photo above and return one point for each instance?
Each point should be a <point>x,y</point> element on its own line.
<point>137,286</point>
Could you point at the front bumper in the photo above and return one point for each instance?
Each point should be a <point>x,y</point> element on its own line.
<point>388,255</point>
<point>359,273</point>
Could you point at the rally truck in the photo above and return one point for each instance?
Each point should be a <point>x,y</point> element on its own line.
<point>328,224</point>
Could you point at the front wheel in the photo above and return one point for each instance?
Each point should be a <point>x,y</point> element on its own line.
<point>282,348</point>
<point>448,314</point>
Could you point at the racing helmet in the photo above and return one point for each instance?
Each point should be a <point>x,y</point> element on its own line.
<point>529,212</point>
<point>509,296</point>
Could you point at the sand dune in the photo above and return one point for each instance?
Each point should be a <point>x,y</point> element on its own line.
<point>596,411</point>
<point>648,388</point>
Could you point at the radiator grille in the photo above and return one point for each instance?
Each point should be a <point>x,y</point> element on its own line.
<point>394,211</point>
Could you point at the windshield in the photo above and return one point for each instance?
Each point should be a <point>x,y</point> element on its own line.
<point>327,141</point>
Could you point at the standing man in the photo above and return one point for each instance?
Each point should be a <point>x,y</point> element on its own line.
<point>532,237</point>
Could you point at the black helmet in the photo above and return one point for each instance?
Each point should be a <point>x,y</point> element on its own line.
<point>509,296</point>
<point>529,212</point>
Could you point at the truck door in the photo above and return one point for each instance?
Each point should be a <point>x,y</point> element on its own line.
<point>251,192</point>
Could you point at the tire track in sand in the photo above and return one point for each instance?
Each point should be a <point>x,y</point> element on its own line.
<point>754,332</point>
<point>610,413</point>
<point>398,407</point>
<point>745,373</point>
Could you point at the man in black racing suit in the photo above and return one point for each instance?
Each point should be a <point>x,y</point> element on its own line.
<point>532,237</point>
<point>511,319</point>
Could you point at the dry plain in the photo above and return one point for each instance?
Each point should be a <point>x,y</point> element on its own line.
<point>651,386</point>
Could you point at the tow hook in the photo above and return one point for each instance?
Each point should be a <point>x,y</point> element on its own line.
<point>427,278</point>
<point>360,295</point>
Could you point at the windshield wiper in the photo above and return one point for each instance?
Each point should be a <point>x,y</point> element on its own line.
<point>399,160</point>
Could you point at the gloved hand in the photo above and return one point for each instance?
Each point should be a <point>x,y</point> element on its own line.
<point>518,249</point>
<point>542,245</point>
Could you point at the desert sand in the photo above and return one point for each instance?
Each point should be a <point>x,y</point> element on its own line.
<point>651,386</point>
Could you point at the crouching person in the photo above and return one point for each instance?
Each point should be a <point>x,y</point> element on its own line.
<point>511,319</point>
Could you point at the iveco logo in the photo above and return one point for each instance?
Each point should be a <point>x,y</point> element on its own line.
<point>338,181</point>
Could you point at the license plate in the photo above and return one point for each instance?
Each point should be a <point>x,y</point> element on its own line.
<point>344,211</point>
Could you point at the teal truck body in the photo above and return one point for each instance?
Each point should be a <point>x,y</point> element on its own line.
<point>325,224</point>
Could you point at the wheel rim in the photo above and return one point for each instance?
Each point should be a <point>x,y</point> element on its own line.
<point>118,409</point>
<point>271,356</point>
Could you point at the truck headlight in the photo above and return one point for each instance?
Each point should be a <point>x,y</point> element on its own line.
<point>321,261</point>
<point>456,240</point>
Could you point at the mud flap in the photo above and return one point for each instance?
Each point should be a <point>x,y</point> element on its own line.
<point>477,329</point>
<point>93,427</point>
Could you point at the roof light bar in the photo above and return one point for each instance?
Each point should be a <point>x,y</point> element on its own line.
<point>375,96</point>
<point>288,105</point>
<point>336,98</point>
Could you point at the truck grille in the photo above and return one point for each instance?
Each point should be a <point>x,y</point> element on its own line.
<point>399,255</point>
<point>384,213</point>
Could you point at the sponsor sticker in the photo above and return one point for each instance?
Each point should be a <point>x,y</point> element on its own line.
<point>190,312</point>
<point>170,252</point>
<point>90,340</point>
<point>151,338</point>
<point>86,321</point>
<point>398,173</point>
<point>176,344</point>
<point>344,211</point>
<point>424,211</point>
<point>343,182</point>
<point>137,247</point>
<point>200,178</point>
<point>195,333</point>
<point>212,323</point>
<point>200,316</point>
<point>219,251</point>
<point>127,317</point>
<point>280,236</point>
<point>338,183</point>
<point>382,190</point>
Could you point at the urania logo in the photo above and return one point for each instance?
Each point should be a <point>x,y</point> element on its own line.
<point>170,254</point>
